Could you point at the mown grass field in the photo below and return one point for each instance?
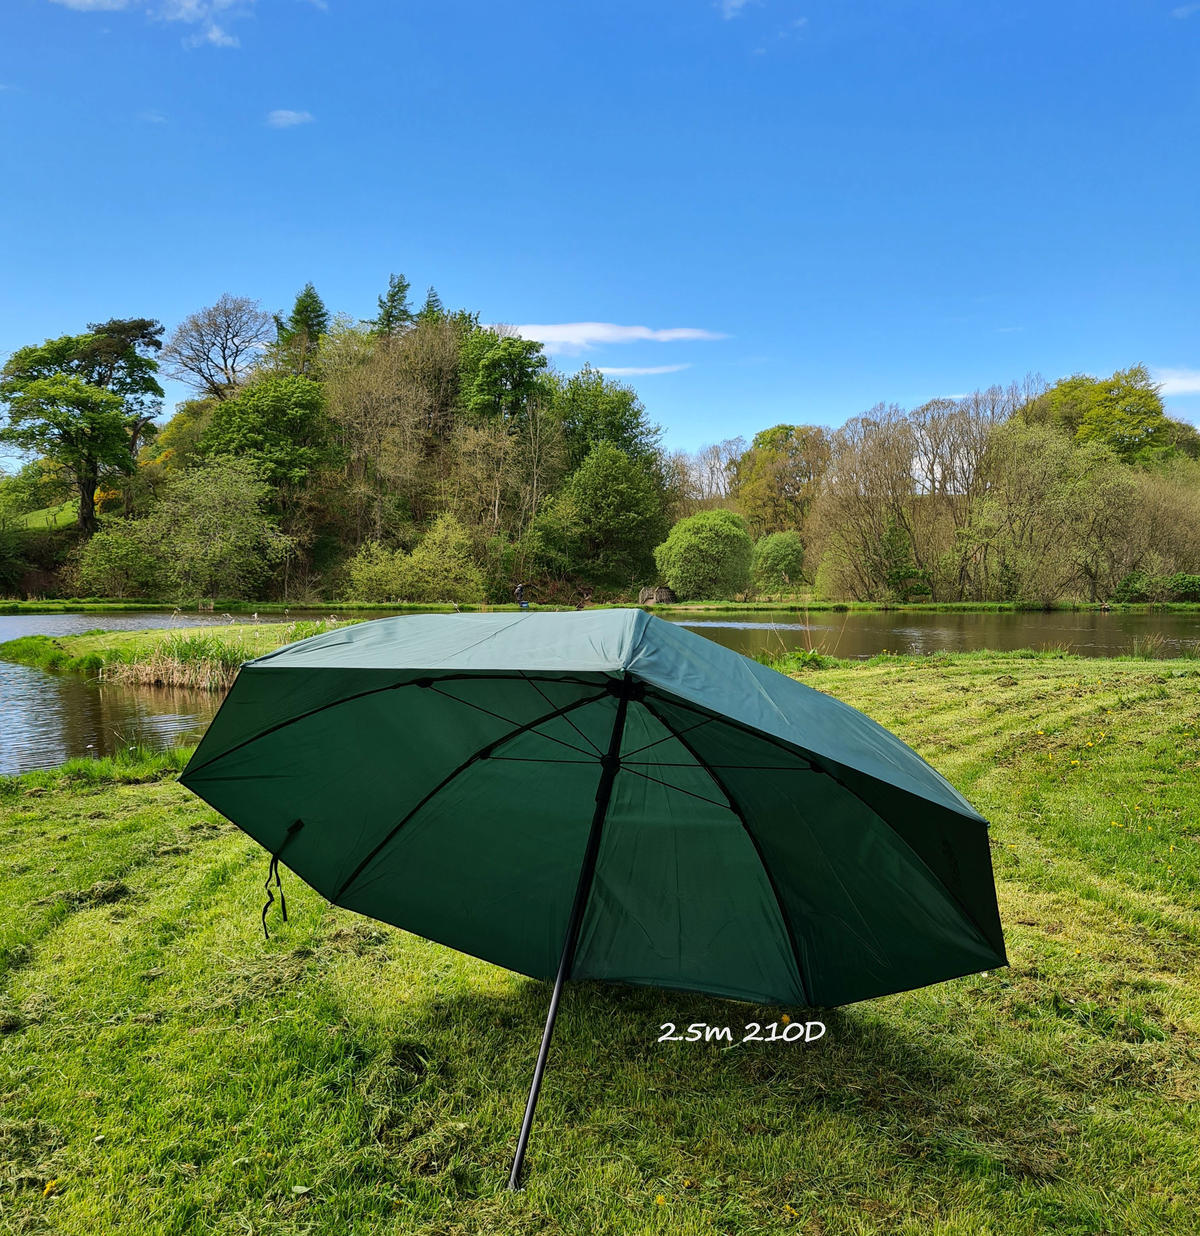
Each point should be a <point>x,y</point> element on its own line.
<point>165,1069</point>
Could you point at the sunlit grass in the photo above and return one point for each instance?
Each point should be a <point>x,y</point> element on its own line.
<point>172,1071</point>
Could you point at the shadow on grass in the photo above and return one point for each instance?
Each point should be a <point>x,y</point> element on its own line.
<point>872,1089</point>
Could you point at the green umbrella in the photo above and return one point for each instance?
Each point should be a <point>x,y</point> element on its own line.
<point>604,795</point>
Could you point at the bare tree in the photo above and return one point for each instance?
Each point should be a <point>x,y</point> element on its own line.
<point>212,349</point>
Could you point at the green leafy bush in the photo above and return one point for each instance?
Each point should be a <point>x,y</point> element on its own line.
<point>707,556</point>
<point>778,562</point>
<point>442,568</point>
<point>1141,587</point>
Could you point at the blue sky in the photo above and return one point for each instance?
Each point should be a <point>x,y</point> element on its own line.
<point>759,210</point>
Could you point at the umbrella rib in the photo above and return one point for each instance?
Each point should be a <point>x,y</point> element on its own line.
<point>358,695</point>
<point>671,734</point>
<point>482,753</point>
<point>782,744</point>
<point>712,802</point>
<point>741,817</point>
<point>508,720</point>
<point>568,720</point>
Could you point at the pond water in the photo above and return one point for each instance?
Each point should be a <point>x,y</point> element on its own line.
<point>46,718</point>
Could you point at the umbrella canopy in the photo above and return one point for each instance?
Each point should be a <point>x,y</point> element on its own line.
<point>605,795</point>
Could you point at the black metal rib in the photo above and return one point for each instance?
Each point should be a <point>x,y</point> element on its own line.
<point>487,712</point>
<point>467,763</point>
<point>571,723</point>
<point>349,699</point>
<point>741,817</point>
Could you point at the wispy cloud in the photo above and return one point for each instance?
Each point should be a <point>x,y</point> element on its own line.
<point>572,337</point>
<point>1178,381</point>
<point>1009,330</point>
<point>152,117</point>
<point>733,8</point>
<point>208,17</point>
<point>634,371</point>
<point>285,118</point>
<point>1185,10</point>
<point>93,6</point>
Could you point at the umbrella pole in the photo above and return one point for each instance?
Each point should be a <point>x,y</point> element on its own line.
<point>610,765</point>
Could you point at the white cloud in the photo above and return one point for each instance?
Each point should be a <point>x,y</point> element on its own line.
<point>1178,381</point>
<point>732,8</point>
<point>152,117</point>
<point>1185,10</point>
<point>285,118</point>
<point>202,14</point>
<point>572,337</point>
<point>633,371</point>
<point>93,6</point>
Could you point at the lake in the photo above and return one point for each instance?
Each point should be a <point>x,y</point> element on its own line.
<point>46,718</point>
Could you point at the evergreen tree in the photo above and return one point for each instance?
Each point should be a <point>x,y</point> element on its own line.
<point>394,311</point>
<point>433,310</point>
<point>297,336</point>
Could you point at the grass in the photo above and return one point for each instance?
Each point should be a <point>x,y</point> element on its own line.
<point>63,515</point>
<point>203,658</point>
<point>163,1069</point>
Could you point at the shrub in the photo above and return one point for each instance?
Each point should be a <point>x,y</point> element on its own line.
<point>119,561</point>
<point>1139,586</point>
<point>779,562</point>
<point>707,556</point>
<point>440,569</point>
<point>377,573</point>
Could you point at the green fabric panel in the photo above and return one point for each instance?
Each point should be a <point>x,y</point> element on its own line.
<point>868,915</point>
<point>490,866</point>
<point>680,898</point>
<point>352,771</point>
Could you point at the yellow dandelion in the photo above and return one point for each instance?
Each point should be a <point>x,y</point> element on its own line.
<point>790,1211</point>
<point>51,1187</point>
<point>785,1019</point>
<point>1074,761</point>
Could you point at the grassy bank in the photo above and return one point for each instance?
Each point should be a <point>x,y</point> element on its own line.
<point>205,658</point>
<point>165,1069</point>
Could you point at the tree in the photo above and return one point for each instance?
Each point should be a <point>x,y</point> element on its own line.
<point>278,425</point>
<point>605,521</point>
<point>707,556</point>
<point>213,349</point>
<point>394,312</point>
<point>1123,412</point>
<point>122,560</point>
<point>432,310</point>
<point>214,533</point>
<point>298,336</point>
<point>594,409</point>
<point>776,480</point>
<point>779,562</point>
<point>506,378</point>
<point>85,402</point>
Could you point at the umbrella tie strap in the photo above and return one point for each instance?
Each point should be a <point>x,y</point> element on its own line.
<point>273,873</point>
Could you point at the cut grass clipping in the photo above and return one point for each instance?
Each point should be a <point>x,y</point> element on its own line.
<point>163,1069</point>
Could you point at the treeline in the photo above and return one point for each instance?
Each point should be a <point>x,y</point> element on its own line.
<point>420,455</point>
